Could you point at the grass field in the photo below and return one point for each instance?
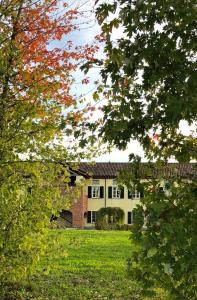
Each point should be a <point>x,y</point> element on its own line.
<point>88,265</point>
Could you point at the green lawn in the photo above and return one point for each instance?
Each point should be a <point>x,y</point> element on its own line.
<point>87,265</point>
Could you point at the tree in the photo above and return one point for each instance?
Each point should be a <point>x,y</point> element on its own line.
<point>165,232</point>
<point>149,83</point>
<point>149,74</point>
<point>36,112</point>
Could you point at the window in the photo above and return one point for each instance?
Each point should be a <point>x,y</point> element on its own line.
<point>95,192</point>
<point>130,217</point>
<point>91,218</point>
<point>136,194</point>
<point>115,192</point>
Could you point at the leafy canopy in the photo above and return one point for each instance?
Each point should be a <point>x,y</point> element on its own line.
<point>149,74</point>
<point>149,83</point>
<point>37,111</point>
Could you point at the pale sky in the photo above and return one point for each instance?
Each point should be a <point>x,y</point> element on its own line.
<point>122,156</point>
<point>84,36</point>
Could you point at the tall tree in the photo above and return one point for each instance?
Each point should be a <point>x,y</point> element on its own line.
<point>150,74</point>
<point>149,83</point>
<point>36,112</point>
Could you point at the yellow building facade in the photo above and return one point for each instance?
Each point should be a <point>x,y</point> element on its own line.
<point>101,189</point>
<point>110,196</point>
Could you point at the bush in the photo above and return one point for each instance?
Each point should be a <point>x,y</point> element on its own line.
<point>106,226</point>
<point>103,220</point>
<point>124,227</point>
<point>109,218</point>
<point>27,204</point>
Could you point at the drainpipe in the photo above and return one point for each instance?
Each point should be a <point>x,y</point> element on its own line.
<point>105,194</point>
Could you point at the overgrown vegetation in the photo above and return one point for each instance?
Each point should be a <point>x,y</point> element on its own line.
<point>109,218</point>
<point>37,111</point>
<point>149,80</point>
<point>165,231</point>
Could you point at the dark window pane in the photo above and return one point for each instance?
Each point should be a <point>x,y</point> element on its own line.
<point>89,192</point>
<point>89,217</point>
<point>129,195</point>
<point>110,192</point>
<point>122,193</point>
<point>129,217</point>
<point>93,216</point>
<point>101,192</point>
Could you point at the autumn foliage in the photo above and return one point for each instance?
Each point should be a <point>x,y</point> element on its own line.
<point>37,58</point>
<point>39,70</point>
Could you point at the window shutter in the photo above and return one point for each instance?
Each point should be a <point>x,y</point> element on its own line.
<point>89,217</point>
<point>89,192</point>
<point>129,217</point>
<point>122,193</point>
<point>101,191</point>
<point>110,192</point>
<point>129,194</point>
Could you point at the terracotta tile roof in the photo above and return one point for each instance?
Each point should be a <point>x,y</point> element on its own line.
<point>111,170</point>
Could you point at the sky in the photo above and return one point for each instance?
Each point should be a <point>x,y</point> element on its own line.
<point>84,36</point>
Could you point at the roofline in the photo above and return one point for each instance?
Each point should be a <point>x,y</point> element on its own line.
<point>89,174</point>
<point>79,172</point>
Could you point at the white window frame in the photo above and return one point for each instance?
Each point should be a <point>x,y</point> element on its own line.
<point>131,217</point>
<point>92,217</point>
<point>135,195</point>
<point>115,192</point>
<point>95,191</point>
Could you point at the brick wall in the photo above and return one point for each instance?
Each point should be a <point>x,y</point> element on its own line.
<point>78,208</point>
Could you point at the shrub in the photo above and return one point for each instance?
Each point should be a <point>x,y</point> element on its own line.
<point>109,218</point>
<point>166,250</point>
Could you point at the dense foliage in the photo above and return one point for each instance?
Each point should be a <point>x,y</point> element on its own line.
<point>149,83</point>
<point>109,218</point>
<point>165,231</point>
<point>35,79</point>
<point>149,74</point>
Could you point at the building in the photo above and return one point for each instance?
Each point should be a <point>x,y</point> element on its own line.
<point>101,189</point>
